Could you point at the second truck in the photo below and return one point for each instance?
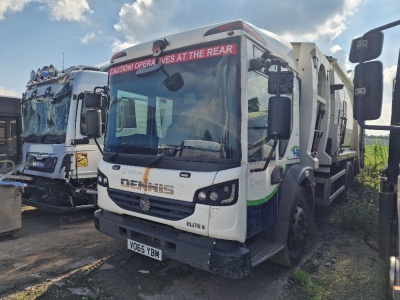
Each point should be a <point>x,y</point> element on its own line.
<point>219,143</point>
<point>60,167</point>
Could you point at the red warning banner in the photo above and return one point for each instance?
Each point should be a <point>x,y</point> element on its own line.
<point>220,50</point>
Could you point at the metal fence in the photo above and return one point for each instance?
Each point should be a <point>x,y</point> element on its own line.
<point>383,140</point>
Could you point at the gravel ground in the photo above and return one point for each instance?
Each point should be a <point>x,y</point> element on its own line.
<point>65,257</point>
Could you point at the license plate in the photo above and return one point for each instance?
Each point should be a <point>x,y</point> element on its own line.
<point>144,249</point>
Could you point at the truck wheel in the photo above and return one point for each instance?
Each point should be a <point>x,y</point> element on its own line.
<point>297,235</point>
<point>349,183</point>
<point>298,232</point>
<point>16,234</point>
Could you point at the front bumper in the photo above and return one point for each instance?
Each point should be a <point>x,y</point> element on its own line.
<point>226,258</point>
<point>52,208</point>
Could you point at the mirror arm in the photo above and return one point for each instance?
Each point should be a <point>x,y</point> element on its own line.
<point>384,27</point>
<point>165,72</point>
<point>98,146</point>
<point>278,80</point>
<point>378,127</point>
<point>268,158</point>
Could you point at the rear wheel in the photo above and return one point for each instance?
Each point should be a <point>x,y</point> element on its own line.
<point>348,184</point>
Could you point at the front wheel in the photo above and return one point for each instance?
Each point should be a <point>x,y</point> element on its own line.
<point>298,231</point>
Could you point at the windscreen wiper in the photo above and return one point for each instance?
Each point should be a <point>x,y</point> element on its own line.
<point>172,150</point>
<point>134,147</point>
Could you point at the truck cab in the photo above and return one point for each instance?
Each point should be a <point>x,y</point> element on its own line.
<point>60,161</point>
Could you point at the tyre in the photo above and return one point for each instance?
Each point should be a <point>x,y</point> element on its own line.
<point>298,231</point>
<point>16,234</point>
<point>348,184</point>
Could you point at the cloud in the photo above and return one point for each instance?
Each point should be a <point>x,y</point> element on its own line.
<point>335,48</point>
<point>7,92</point>
<point>335,25</point>
<point>68,10</point>
<point>383,120</point>
<point>141,20</point>
<point>330,26</point>
<point>11,6</point>
<point>87,38</point>
<point>306,19</point>
<point>389,74</point>
<point>119,46</point>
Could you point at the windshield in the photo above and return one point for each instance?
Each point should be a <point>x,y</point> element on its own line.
<point>198,121</point>
<point>47,116</point>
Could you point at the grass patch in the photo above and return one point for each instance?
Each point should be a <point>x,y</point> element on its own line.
<point>359,214</point>
<point>375,161</point>
<point>307,285</point>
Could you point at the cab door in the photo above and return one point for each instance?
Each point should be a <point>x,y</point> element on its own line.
<point>262,185</point>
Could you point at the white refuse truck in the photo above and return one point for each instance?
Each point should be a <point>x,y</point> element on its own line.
<point>60,161</point>
<point>219,143</point>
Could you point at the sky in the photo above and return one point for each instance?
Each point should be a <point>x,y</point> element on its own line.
<point>36,33</point>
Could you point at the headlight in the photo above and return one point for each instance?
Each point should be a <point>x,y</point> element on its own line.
<point>102,179</point>
<point>202,196</point>
<point>213,196</point>
<point>222,194</point>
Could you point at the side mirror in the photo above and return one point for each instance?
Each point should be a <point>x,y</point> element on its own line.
<point>279,117</point>
<point>93,123</point>
<point>371,47</point>
<point>368,93</point>
<point>92,99</point>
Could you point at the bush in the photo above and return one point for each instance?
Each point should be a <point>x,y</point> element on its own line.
<point>375,160</point>
<point>360,213</point>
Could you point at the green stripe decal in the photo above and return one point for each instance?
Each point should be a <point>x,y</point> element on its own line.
<point>263,200</point>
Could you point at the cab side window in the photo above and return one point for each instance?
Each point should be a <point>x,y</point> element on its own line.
<point>257,97</point>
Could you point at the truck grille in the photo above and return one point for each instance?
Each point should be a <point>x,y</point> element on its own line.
<point>41,162</point>
<point>153,206</point>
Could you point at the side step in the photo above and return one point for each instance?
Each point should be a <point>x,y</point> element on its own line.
<point>262,250</point>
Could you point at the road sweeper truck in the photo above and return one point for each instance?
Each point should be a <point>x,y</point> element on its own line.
<point>219,143</point>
